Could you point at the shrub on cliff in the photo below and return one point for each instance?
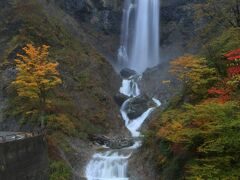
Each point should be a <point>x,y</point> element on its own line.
<point>196,76</point>
<point>59,171</point>
<point>208,131</point>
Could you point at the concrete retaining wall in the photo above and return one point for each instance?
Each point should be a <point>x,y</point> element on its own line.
<point>25,159</point>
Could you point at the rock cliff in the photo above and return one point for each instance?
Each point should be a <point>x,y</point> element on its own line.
<point>85,99</point>
<point>100,21</point>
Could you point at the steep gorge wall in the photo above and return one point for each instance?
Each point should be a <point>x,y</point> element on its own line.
<point>102,19</point>
<point>84,100</point>
<point>89,81</point>
<point>104,15</point>
<point>178,28</point>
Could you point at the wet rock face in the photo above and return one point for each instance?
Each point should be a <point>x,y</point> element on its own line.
<point>127,73</point>
<point>167,85</point>
<point>7,75</point>
<point>100,20</point>
<point>120,98</point>
<point>103,14</point>
<point>138,105</point>
<point>178,28</point>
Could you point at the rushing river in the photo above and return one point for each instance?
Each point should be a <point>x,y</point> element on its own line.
<point>113,164</point>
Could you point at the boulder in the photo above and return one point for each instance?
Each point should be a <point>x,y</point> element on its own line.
<point>138,105</point>
<point>99,139</point>
<point>120,98</point>
<point>120,142</point>
<point>113,143</point>
<point>127,73</point>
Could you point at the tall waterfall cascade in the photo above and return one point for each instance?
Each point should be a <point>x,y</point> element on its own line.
<point>139,50</point>
<point>139,47</point>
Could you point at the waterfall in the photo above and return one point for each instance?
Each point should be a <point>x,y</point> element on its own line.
<point>139,50</point>
<point>108,165</point>
<point>139,47</point>
<point>112,164</point>
<point>130,87</point>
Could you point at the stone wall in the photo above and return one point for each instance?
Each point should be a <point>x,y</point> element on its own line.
<point>25,159</point>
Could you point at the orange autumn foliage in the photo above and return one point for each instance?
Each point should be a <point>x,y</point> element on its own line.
<point>36,74</point>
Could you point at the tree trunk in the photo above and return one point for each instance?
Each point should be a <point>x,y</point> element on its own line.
<point>42,109</point>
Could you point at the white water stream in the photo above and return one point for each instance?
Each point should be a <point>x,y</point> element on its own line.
<point>112,164</point>
<point>139,50</point>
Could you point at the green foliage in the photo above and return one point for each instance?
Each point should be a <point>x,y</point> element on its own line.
<point>62,141</point>
<point>59,171</point>
<point>204,138</point>
<point>84,81</point>
<point>61,122</point>
<point>217,47</point>
<point>217,15</point>
<point>211,132</point>
<point>234,82</point>
<point>195,75</point>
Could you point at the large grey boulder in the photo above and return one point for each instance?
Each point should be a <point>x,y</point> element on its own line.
<point>138,105</point>
<point>113,143</point>
<point>126,73</point>
<point>120,142</point>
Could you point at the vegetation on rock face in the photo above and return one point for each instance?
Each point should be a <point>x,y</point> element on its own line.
<point>84,72</point>
<point>59,171</point>
<point>209,131</point>
<point>78,104</point>
<point>213,12</point>
<point>210,19</point>
<point>197,136</point>
<point>195,74</point>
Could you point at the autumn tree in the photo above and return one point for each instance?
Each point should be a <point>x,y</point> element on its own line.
<point>229,86</point>
<point>36,76</point>
<point>210,131</point>
<point>194,73</point>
